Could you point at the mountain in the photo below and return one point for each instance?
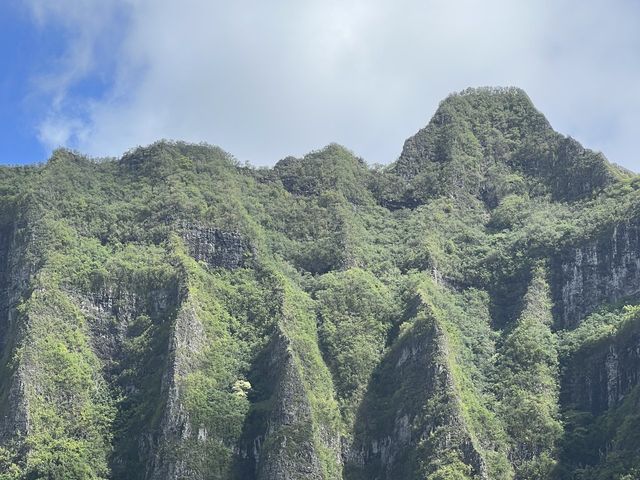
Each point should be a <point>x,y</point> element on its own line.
<point>468,312</point>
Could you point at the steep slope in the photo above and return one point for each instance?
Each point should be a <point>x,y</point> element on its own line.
<point>600,394</point>
<point>491,142</point>
<point>527,389</point>
<point>467,312</point>
<point>602,269</point>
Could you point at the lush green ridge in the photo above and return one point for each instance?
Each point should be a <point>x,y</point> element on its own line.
<point>175,315</point>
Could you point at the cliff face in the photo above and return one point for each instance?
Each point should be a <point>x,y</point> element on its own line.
<point>601,375</point>
<point>217,248</point>
<point>412,416</point>
<point>114,318</point>
<point>604,269</point>
<point>466,313</point>
<point>15,272</point>
<point>285,449</point>
<point>600,393</point>
<point>175,426</point>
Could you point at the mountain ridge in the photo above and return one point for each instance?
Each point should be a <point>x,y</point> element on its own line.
<point>174,314</point>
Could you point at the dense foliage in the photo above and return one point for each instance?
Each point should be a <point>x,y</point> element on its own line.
<point>175,314</point>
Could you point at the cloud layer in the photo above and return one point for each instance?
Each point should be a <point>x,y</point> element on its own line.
<point>267,79</point>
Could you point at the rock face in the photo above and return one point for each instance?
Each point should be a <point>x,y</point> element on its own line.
<point>113,309</point>
<point>175,426</point>
<point>114,314</point>
<point>602,270</point>
<point>6,235</point>
<point>14,276</point>
<point>285,451</point>
<point>413,415</point>
<point>217,248</point>
<point>15,273</point>
<point>601,375</point>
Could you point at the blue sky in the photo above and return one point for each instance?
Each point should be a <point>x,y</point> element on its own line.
<point>17,123</point>
<point>268,79</point>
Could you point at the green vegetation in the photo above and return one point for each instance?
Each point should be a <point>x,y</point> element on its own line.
<point>601,443</point>
<point>356,313</point>
<point>175,314</point>
<point>527,386</point>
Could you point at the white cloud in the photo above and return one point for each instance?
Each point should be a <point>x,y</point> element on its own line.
<point>268,79</point>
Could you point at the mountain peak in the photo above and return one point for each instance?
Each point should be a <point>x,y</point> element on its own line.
<point>479,136</point>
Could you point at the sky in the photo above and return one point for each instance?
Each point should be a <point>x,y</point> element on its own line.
<point>268,79</point>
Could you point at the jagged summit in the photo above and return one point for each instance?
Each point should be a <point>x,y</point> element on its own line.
<point>488,141</point>
<point>504,115</point>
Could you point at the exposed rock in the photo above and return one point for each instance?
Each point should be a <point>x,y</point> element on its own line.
<point>112,312</point>
<point>603,270</point>
<point>14,278</point>
<point>599,376</point>
<point>217,248</point>
<point>113,308</point>
<point>14,420</point>
<point>175,425</point>
<point>286,450</point>
<point>414,416</point>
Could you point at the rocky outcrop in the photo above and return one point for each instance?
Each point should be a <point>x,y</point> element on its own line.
<point>15,274</point>
<point>187,340</point>
<point>278,441</point>
<point>6,235</point>
<point>217,248</point>
<point>114,312</point>
<point>14,417</point>
<point>600,375</point>
<point>603,270</point>
<point>286,450</point>
<point>14,280</point>
<point>412,417</point>
<point>112,309</point>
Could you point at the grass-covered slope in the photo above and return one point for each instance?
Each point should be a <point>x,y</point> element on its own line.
<point>459,314</point>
